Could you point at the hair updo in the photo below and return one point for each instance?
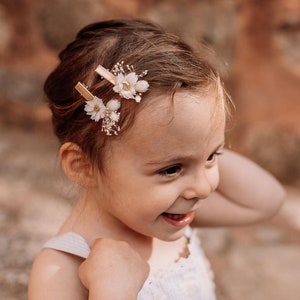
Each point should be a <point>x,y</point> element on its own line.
<point>171,65</point>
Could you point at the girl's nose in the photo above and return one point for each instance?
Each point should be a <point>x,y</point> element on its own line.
<point>199,187</point>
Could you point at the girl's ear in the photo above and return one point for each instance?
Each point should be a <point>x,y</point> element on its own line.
<point>77,167</point>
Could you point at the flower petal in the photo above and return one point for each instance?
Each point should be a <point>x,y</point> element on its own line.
<point>127,94</point>
<point>141,86</point>
<point>118,87</point>
<point>88,108</point>
<point>131,78</point>
<point>120,78</point>
<point>96,116</point>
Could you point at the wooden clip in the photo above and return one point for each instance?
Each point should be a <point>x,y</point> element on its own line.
<point>106,74</point>
<point>84,92</point>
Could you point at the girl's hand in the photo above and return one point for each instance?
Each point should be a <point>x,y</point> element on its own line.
<point>113,270</point>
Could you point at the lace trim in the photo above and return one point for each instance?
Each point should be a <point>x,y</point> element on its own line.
<point>193,247</point>
<point>190,278</point>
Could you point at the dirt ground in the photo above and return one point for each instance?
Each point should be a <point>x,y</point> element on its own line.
<point>253,263</point>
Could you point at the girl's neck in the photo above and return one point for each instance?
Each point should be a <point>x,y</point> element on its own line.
<point>89,221</point>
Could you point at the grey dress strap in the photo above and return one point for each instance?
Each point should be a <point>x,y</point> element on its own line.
<point>69,242</point>
<point>73,243</point>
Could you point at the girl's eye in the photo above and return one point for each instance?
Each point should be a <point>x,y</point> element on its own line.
<point>171,171</point>
<point>212,157</point>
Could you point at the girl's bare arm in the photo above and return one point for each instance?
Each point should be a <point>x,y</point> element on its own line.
<point>246,194</point>
<point>55,276</point>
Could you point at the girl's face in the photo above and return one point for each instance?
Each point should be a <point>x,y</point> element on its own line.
<point>163,167</point>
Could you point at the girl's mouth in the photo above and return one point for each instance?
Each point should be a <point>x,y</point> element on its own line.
<point>179,220</point>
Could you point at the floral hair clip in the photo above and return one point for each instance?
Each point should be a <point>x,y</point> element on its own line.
<point>126,84</point>
<point>95,108</point>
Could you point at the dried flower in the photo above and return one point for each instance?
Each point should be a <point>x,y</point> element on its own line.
<point>95,108</point>
<point>129,87</point>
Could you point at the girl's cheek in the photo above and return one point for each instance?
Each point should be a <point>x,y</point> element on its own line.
<point>214,177</point>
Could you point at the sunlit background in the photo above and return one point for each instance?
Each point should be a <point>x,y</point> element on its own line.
<point>256,47</point>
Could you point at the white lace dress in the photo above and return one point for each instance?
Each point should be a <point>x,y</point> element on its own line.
<point>188,278</point>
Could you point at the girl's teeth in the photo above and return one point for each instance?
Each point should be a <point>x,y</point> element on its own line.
<point>179,220</point>
<point>174,216</point>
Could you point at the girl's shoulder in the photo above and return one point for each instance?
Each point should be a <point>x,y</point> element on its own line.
<point>54,275</point>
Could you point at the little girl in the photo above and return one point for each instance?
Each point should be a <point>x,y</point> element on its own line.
<point>141,120</point>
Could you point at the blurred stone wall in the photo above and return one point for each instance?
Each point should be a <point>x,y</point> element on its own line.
<point>257,47</point>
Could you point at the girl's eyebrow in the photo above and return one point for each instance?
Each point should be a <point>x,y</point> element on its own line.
<point>162,161</point>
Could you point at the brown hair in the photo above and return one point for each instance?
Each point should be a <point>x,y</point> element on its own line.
<point>171,65</point>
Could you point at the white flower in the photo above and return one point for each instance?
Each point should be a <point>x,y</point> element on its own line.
<point>141,86</point>
<point>110,123</point>
<point>95,108</point>
<point>113,105</point>
<point>138,98</point>
<point>114,116</point>
<point>128,86</point>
